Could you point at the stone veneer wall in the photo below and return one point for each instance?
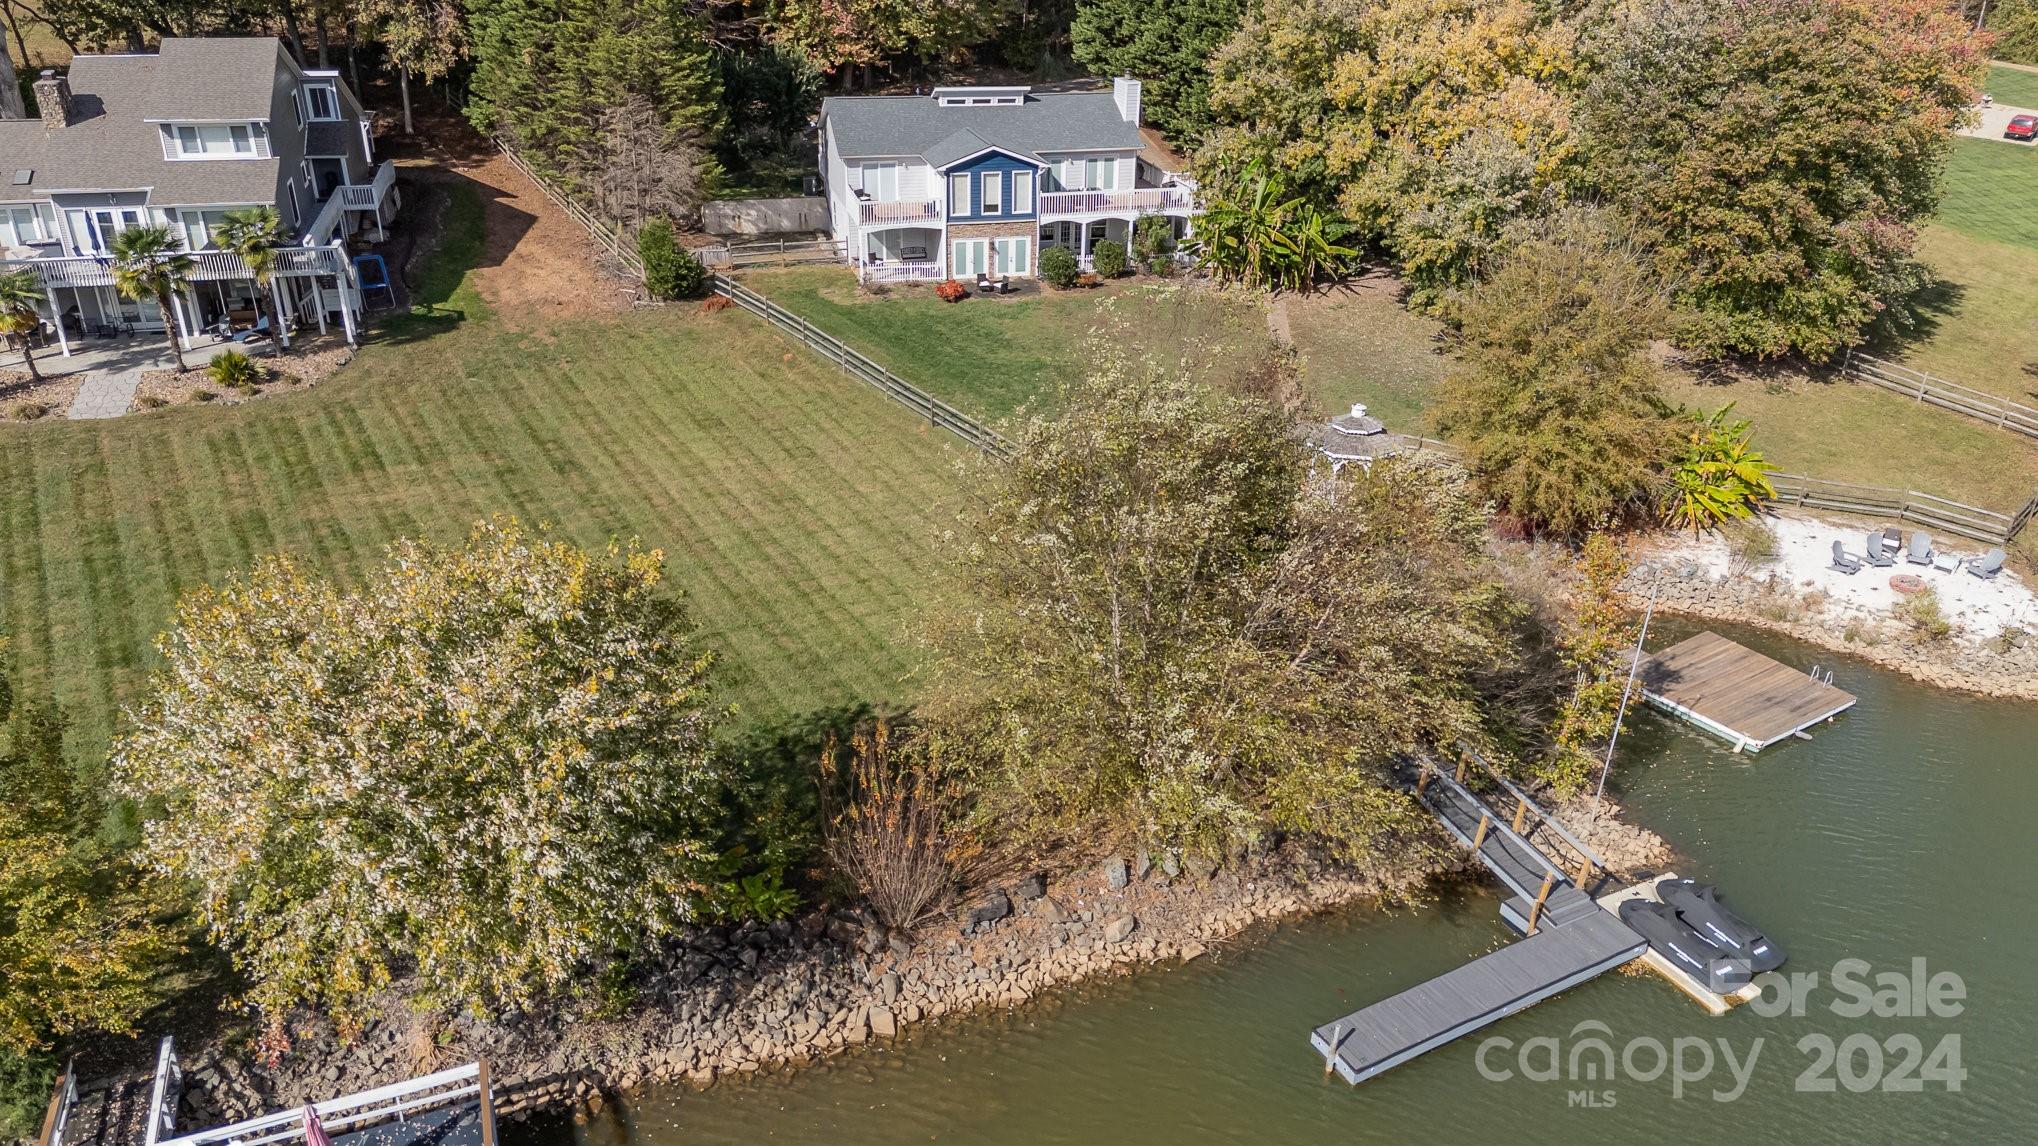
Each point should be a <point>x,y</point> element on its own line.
<point>1003,229</point>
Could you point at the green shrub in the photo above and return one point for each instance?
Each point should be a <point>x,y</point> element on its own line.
<point>235,371</point>
<point>1108,258</point>
<point>670,271</point>
<point>1153,244</point>
<point>1058,267</point>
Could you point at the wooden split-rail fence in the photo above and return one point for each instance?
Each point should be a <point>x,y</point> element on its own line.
<point>938,414</point>
<point>1923,509</point>
<point>1931,390</point>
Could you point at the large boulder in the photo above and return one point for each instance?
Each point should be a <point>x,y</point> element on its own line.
<point>995,906</point>
<point>1031,888</point>
<point>1119,928</point>
<point>1115,873</point>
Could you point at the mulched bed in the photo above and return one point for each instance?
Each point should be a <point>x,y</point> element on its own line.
<point>19,395</point>
<point>311,360</point>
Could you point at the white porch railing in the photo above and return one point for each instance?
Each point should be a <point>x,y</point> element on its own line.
<point>1138,199</point>
<point>368,196</point>
<point>207,266</point>
<point>909,212</point>
<point>902,273</point>
<point>357,1111</point>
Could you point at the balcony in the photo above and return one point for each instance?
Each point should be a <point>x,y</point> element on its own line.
<point>1138,201</point>
<point>207,266</point>
<point>900,212</point>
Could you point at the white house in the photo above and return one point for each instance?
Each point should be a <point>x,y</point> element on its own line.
<point>976,180</point>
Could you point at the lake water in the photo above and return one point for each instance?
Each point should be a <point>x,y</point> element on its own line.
<point>1901,832</point>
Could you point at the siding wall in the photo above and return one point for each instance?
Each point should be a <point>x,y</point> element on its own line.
<point>1003,166</point>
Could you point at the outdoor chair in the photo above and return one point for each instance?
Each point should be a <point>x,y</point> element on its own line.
<point>1876,555</point>
<point>1988,565</point>
<point>1920,551</point>
<point>1843,562</point>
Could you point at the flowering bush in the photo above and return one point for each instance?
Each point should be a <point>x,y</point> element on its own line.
<point>950,290</point>
<point>489,765</point>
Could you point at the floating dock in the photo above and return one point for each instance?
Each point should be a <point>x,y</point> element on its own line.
<point>1558,956</point>
<point>1569,938</point>
<point>1736,693</point>
<point>1683,980</point>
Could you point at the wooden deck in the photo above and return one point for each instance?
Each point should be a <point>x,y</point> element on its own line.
<point>1736,692</point>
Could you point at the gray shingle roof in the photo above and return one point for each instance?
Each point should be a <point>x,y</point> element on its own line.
<point>108,143</point>
<point>917,125</point>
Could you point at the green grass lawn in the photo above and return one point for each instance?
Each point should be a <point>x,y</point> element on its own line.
<point>1362,345</point>
<point>795,507</point>
<point>2012,86</point>
<point>989,356</point>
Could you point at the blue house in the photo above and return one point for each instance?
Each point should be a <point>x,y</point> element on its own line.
<point>969,181</point>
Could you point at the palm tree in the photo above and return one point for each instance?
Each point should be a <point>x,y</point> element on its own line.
<point>149,262</point>
<point>255,233</point>
<point>19,294</point>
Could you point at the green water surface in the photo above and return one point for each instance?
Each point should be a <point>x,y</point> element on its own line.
<point>1901,832</point>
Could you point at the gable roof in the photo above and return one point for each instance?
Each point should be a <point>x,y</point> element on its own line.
<point>918,125</point>
<point>109,143</point>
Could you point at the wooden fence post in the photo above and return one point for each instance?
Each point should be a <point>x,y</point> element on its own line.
<point>1536,908</point>
<point>1479,837</point>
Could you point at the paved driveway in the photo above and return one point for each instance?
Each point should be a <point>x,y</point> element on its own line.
<point>1994,118</point>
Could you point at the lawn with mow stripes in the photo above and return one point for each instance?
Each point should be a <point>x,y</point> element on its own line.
<point>796,508</point>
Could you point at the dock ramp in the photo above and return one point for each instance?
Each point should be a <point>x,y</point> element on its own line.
<point>1569,937</point>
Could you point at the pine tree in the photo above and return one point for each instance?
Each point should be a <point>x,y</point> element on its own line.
<point>1167,44</point>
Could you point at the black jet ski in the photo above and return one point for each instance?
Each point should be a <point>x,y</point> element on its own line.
<point>1699,905</point>
<point>1691,952</point>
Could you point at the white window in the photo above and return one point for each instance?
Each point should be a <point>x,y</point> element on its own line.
<point>205,140</point>
<point>1022,192</point>
<point>200,227</point>
<point>323,101</point>
<point>958,195</point>
<point>881,181</point>
<point>972,257</point>
<point>1013,256</point>
<point>991,206</point>
<point>1100,174</point>
<point>20,226</point>
<point>93,231</point>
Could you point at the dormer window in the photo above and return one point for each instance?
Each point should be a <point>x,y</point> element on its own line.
<point>214,139</point>
<point>980,97</point>
<point>322,102</point>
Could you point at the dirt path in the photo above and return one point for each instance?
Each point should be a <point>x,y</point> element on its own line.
<point>536,264</point>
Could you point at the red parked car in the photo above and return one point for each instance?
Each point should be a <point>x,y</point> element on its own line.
<point>2024,127</point>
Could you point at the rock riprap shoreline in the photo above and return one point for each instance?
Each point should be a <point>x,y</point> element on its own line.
<point>755,997</point>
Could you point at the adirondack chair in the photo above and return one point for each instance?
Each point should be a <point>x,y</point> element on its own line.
<point>1988,565</point>
<point>1843,562</point>
<point>1920,551</point>
<point>1875,554</point>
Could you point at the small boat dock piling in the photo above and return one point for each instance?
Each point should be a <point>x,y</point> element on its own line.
<point>1736,693</point>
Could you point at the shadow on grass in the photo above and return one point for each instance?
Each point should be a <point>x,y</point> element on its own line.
<point>474,229</point>
<point>1916,320</point>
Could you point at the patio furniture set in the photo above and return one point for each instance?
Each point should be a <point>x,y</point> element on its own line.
<point>1884,547</point>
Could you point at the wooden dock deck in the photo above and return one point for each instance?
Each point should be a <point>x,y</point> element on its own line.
<point>1737,693</point>
<point>1486,990</point>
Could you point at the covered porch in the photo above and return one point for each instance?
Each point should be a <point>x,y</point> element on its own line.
<point>901,253</point>
<point>309,286</point>
<point>1083,235</point>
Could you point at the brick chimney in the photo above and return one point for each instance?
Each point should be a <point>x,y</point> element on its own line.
<point>1125,93</point>
<point>53,96</point>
